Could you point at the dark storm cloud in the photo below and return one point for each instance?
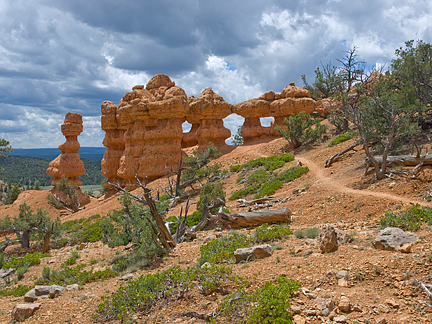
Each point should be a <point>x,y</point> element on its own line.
<point>60,56</point>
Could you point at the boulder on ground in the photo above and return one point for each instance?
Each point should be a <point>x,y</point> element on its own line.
<point>256,252</point>
<point>328,240</point>
<point>23,311</point>
<point>391,238</point>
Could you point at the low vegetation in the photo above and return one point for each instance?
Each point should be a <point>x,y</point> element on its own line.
<point>153,291</point>
<point>264,183</point>
<point>341,138</point>
<point>410,219</point>
<point>268,304</point>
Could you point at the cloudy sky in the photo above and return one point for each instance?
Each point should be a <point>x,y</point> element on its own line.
<point>71,55</point>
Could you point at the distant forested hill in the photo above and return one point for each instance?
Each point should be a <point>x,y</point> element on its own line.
<point>89,153</point>
<point>22,169</point>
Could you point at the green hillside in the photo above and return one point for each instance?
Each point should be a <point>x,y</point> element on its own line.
<point>25,169</point>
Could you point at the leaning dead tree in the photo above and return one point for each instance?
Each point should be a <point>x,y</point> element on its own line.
<point>339,155</point>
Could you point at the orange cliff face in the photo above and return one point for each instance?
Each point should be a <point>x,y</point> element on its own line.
<point>68,163</point>
<point>144,136</point>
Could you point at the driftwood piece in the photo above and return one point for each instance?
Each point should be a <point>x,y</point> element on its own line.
<point>254,218</point>
<point>336,157</point>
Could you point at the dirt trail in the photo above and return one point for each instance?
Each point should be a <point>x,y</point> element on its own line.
<point>338,185</point>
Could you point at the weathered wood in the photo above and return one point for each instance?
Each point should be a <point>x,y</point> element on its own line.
<point>254,218</point>
<point>340,154</point>
<point>406,160</point>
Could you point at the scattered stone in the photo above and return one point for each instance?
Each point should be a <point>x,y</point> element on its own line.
<point>308,252</point>
<point>325,305</point>
<point>299,320</point>
<point>342,282</point>
<point>298,250</point>
<point>340,319</point>
<point>209,238</point>
<point>391,302</point>
<point>72,287</point>
<point>21,311</point>
<point>383,309</point>
<point>256,252</point>
<point>344,304</point>
<point>88,295</point>
<point>328,239</point>
<point>55,291</point>
<point>406,248</point>
<point>6,272</point>
<point>381,321</point>
<point>30,296</point>
<point>206,265</point>
<point>343,237</point>
<point>46,290</point>
<point>310,241</point>
<point>391,238</point>
<point>51,261</point>
<point>126,277</point>
<point>357,308</point>
<point>310,312</point>
<point>296,309</point>
<point>342,274</point>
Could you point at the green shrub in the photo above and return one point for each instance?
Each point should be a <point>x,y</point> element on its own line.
<point>299,234</point>
<point>93,261</point>
<point>75,254</point>
<point>151,290</point>
<point>410,219</point>
<point>17,291</point>
<point>268,304</point>
<point>341,138</point>
<point>269,188</point>
<point>293,173</point>
<point>70,261</point>
<point>21,271</point>
<point>2,260</point>
<point>222,248</point>
<point>270,163</point>
<point>46,273</point>
<point>263,183</point>
<point>266,233</point>
<point>76,275</point>
<point>312,232</point>
<point>29,259</point>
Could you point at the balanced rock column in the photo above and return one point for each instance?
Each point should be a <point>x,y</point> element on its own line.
<point>205,114</point>
<point>68,163</point>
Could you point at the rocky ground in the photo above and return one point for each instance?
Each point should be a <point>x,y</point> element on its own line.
<point>355,284</point>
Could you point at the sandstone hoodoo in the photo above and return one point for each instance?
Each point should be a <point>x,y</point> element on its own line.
<point>292,100</point>
<point>205,114</point>
<point>144,136</point>
<point>144,132</point>
<point>68,163</point>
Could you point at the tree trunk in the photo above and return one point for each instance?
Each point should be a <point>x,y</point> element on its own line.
<point>25,240</point>
<point>47,237</point>
<point>252,218</point>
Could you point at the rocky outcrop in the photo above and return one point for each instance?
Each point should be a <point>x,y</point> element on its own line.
<point>392,238</point>
<point>255,252</point>
<point>23,311</point>
<point>205,114</point>
<point>68,163</point>
<point>292,100</point>
<point>144,132</point>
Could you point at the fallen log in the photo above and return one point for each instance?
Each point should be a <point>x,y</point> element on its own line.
<point>254,218</point>
<point>340,154</point>
<point>404,160</point>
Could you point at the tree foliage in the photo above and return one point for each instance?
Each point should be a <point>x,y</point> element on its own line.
<point>31,225</point>
<point>66,195</point>
<point>302,128</point>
